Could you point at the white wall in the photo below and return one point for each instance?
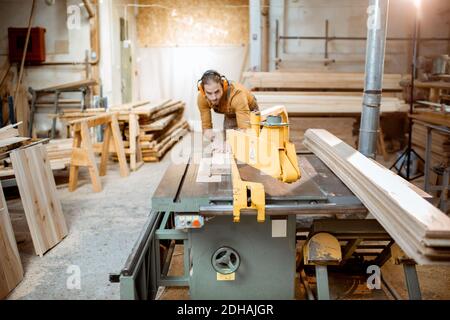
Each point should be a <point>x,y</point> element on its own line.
<point>173,73</point>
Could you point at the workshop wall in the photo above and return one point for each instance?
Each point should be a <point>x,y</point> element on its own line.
<point>347,18</point>
<point>193,22</point>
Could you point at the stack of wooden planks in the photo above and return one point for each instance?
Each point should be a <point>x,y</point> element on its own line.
<point>313,80</point>
<point>161,125</point>
<point>420,229</point>
<point>59,151</point>
<point>9,139</point>
<point>298,104</point>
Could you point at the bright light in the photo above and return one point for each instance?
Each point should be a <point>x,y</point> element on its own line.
<point>417,3</point>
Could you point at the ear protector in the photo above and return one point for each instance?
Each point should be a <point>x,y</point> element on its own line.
<point>224,81</point>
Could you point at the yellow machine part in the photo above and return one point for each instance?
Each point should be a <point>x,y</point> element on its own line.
<point>267,148</point>
<point>247,195</point>
<point>322,249</point>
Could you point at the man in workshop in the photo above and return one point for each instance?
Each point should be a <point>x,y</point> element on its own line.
<point>226,97</point>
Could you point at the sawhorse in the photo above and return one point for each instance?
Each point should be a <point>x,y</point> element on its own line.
<point>83,153</point>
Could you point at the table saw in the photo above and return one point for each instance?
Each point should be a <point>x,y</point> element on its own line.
<point>249,252</point>
<point>266,251</point>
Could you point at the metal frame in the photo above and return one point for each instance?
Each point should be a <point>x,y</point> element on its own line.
<point>36,94</point>
<point>143,273</point>
<point>445,175</point>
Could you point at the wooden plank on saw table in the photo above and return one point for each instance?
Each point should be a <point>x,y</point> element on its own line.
<point>419,228</point>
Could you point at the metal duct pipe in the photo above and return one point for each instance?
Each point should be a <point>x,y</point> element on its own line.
<point>376,40</point>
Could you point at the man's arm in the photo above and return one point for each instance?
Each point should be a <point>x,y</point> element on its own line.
<point>239,104</point>
<point>205,112</point>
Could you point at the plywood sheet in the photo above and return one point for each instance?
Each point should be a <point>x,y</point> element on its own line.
<point>11,271</point>
<point>193,22</point>
<point>39,197</point>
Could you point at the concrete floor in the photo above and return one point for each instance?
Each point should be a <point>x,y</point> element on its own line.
<point>103,228</point>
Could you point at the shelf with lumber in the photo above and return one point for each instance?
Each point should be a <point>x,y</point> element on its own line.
<point>315,80</point>
<point>298,104</point>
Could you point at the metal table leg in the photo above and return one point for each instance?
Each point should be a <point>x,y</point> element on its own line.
<point>323,291</point>
<point>412,281</point>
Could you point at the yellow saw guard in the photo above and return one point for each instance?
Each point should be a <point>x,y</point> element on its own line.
<point>266,147</point>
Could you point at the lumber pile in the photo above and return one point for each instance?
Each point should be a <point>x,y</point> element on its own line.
<point>440,146</point>
<point>313,80</point>
<point>420,229</point>
<point>58,150</point>
<point>9,139</point>
<point>160,126</point>
<point>37,189</point>
<point>11,270</point>
<point>300,105</point>
<point>149,129</point>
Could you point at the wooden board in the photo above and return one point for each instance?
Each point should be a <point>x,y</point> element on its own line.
<point>9,131</point>
<point>432,85</point>
<point>11,270</point>
<point>432,117</point>
<point>314,80</point>
<point>420,229</point>
<point>160,124</point>
<point>12,143</point>
<point>70,86</point>
<point>39,197</point>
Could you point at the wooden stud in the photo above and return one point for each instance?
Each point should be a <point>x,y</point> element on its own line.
<point>92,166</point>
<point>105,150</point>
<point>74,167</point>
<point>118,144</point>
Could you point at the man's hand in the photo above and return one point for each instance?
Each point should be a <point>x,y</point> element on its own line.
<point>208,135</point>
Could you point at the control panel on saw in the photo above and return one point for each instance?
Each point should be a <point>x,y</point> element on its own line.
<point>194,221</point>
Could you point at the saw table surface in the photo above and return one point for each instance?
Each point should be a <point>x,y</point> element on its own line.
<point>318,192</point>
